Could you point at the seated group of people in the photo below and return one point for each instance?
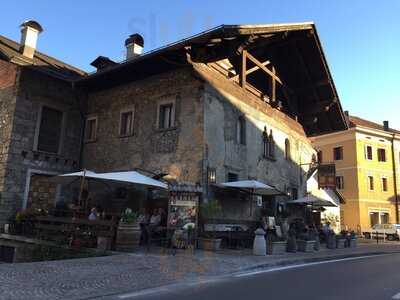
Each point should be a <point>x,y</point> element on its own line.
<point>151,224</point>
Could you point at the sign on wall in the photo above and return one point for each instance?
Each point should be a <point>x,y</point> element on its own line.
<point>326,176</point>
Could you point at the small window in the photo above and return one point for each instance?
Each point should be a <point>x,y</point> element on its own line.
<point>381,154</point>
<point>50,130</point>
<point>91,129</point>
<point>287,149</point>
<point>271,145</point>
<point>368,152</point>
<point>232,177</point>
<point>371,183</point>
<point>295,193</point>
<point>166,116</point>
<point>126,123</point>
<point>265,143</point>
<point>338,153</point>
<point>384,184</point>
<point>339,182</point>
<point>319,156</point>
<point>241,131</point>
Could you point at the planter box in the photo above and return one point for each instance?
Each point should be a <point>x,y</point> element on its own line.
<point>340,243</point>
<point>331,242</point>
<point>277,247</point>
<point>305,246</point>
<point>209,244</point>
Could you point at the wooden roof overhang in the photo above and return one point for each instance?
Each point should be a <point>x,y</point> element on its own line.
<point>291,54</point>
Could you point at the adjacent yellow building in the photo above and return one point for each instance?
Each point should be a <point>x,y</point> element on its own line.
<point>367,159</point>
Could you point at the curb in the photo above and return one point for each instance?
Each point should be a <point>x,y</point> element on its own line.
<point>296,261</point>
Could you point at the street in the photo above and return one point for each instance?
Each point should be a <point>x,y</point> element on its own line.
<point>375,277</point>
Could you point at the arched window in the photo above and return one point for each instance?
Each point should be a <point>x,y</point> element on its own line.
<point>265,143</point>
<point>287,149</point>
<point>271,145</point>
<point>241,131</point>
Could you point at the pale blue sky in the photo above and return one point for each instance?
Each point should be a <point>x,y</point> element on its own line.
<point>361,39</point>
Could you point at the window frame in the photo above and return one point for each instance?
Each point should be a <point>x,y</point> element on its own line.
<point>288,155</point>
<point>384,178</point>
<point>369,183</point>
<point>88,119</point>
<point>241,130</point>
<point>39,123</point>
<point>366,152</point>
<point>379,153</point>
<point>341,180</point>
<point>341,153</point>
<point>130,109</point>
<point>160,104</point>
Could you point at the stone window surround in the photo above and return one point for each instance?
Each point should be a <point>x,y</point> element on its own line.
<point>366,152</point>
<point>61,108</point>
<point>370,182</point>
<point>90,118</point>
<point>29,174</point>
<point>130,108</point>
<point>341,151</point>
<point>387,184</point>
<point>173,116</point>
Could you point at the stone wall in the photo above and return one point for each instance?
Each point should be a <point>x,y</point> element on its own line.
<point>8,77</point>
<point>224,103</point>
<point>35,90</point>
<point>177,151</point>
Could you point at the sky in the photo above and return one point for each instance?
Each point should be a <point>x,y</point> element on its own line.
<point>361,39</point>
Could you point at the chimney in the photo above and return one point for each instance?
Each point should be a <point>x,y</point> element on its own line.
<point>134,46</point>
<point>386,125</point>
<point>29,35</point>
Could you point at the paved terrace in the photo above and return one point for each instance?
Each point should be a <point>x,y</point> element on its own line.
<point>101,276</point>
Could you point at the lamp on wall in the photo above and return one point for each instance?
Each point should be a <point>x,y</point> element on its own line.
<point>211,175</point>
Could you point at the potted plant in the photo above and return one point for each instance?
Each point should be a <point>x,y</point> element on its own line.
<point>353,240</point>
<point>128,232</point>
<point>341,240</point>
<point>209,241</point>
<point>276,245</point>
<point>306,242</point>
<point>331,240</point>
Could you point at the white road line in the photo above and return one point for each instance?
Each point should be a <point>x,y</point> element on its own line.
<point>305,265</point>
<point>397,296</point>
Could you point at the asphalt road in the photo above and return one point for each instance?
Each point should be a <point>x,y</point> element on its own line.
<point>374,278</point>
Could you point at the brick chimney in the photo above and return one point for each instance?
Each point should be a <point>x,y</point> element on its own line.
<point>29,34</point>
<point>134,46</point>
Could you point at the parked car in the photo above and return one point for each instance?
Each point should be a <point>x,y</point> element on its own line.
<point>390,231</point>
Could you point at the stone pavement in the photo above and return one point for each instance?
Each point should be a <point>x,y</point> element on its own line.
<point>102,276</point>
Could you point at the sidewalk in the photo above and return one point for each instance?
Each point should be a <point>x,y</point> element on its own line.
<point>101,276</point>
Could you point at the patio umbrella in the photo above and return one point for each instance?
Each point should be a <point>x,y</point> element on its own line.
<point>252,186</point>
<point>71,177</point>
<point>313,200</point>
<point>131,177</point>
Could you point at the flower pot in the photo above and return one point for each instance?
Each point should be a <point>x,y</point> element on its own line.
<point>291,245</point>
<point>277,247</point>
<point>353,243</point>
<point>210,244</point>
<point>305,246</point>
<point>340,243</point>
<point>128,237</point>
<point>331,242</point>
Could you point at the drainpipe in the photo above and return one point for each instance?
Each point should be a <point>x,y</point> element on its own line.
<point>396,198</point>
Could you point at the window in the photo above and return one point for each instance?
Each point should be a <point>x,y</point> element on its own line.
<point>126,123</point>
<point>319,156</point>
<point>371,183</point>
<point>265,143</point>
<point>49,137</point>
<point>232,177</point>
<point>295,193</point>
<point>91,129</point>
<point>338,153</point>
<point>287,149</point>
<point>368,152</point>
<point>271,145</point>
<point>241,131</point>
<point>374,219</point>
<point>384,184</point>
<point>166,116</point>
<point>381,154</point>
<point>384,218</point>
<point>339,182</point>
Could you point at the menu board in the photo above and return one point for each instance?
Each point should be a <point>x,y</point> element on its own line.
<point>183,208</point>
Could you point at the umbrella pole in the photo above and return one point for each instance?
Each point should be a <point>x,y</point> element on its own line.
<point>81,188</point>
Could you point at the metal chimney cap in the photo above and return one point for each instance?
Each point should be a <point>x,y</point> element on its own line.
<point>33,24</point>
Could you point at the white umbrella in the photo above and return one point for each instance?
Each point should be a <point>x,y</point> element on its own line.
<point>313,200</point>
<point>71,177</point>
<point>252,186</point>
<point>131,177</point>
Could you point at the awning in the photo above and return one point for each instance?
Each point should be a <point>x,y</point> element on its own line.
<point>313,200</point>
<point>251,186</point>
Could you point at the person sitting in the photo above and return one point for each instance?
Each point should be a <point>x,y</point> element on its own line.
<point>155,218</point>
<point>93,214</point>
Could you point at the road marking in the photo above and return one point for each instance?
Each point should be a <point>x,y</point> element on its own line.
<point>397,296</point>
<point>305,265</point>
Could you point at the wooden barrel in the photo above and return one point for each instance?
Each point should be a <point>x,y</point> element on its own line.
<point>128,237</point>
